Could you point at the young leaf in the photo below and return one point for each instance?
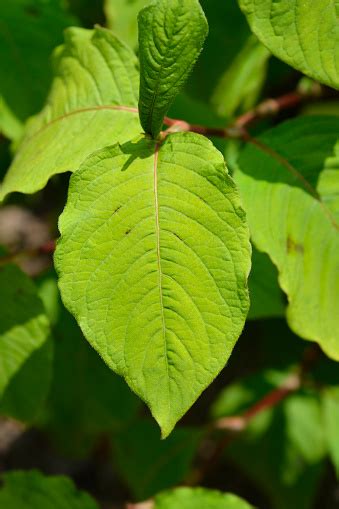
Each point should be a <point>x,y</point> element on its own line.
<point>290,221</point>
<point>24,342</point>
<point>171,35</point>
<point>303,33</point>
<point>193,498</point>
<point>92,103</point>
<point>33,490</point>
<point>153,262</point>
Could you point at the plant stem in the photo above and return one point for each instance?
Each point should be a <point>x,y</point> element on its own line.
<point>238,129</point>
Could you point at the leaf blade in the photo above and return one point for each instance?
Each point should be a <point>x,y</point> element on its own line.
<point>302,33</point>
<point>92,103</point>
<point>171,35</point>
<point>163,288</point>
<point>278,180</point>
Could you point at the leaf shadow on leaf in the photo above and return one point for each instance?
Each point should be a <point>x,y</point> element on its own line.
<point>138,149</point>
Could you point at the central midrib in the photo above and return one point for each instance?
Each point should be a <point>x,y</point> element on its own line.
<point>157,229</point>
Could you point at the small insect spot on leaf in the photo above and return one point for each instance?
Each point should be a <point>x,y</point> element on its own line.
<point>294,247</point>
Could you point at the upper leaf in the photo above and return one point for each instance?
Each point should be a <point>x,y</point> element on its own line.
<point>278,179</point>
<point>193,498</point>
<point>153,262</point>
<point>24,335</point>
<point>32,490</point>
<point>171,35</point>
<point>303,33</point>
<point>92,103</point>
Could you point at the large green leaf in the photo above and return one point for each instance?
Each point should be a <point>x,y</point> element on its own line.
<point>193,498</point>
<point>171,35</point>
<point>303,33</point>
<point>29,31</point>
<point>292,223</point>
<point>153,262</point>
<point>32,490</point>
<point>24,344</point>
<point>150,465</point>
<point>122,18</point>
<point>92,103</point>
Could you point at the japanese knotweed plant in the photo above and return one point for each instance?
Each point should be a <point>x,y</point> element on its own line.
<point>154,252</point>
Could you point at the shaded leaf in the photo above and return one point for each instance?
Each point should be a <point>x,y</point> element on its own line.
<point>92,103</point>
<point>32,490</point>
<point>25,344</point>
<point>171,35</point>
<point>265,294</point>
<point>239,87</point>
<point>165,223</point>
<point>29,31</point>
<point>303,33</point>
<point>278,181</point>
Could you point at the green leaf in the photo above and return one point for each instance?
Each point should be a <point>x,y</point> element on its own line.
<point>193,498</point>
<point>92,103</point>
<point>25,344</point>
<point>150,465</point>
<point>32,490</point>
<point>29,31</point>
<point>289,221</point>
<point>265,294</point>
<point>330,401</point>
<point>171,35</point>
<point>153,262</point>
<point>303,33</point>
<point>122,18</point>
<point>239,87</point>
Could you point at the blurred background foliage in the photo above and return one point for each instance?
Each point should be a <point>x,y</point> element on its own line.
<point>75,416</point>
